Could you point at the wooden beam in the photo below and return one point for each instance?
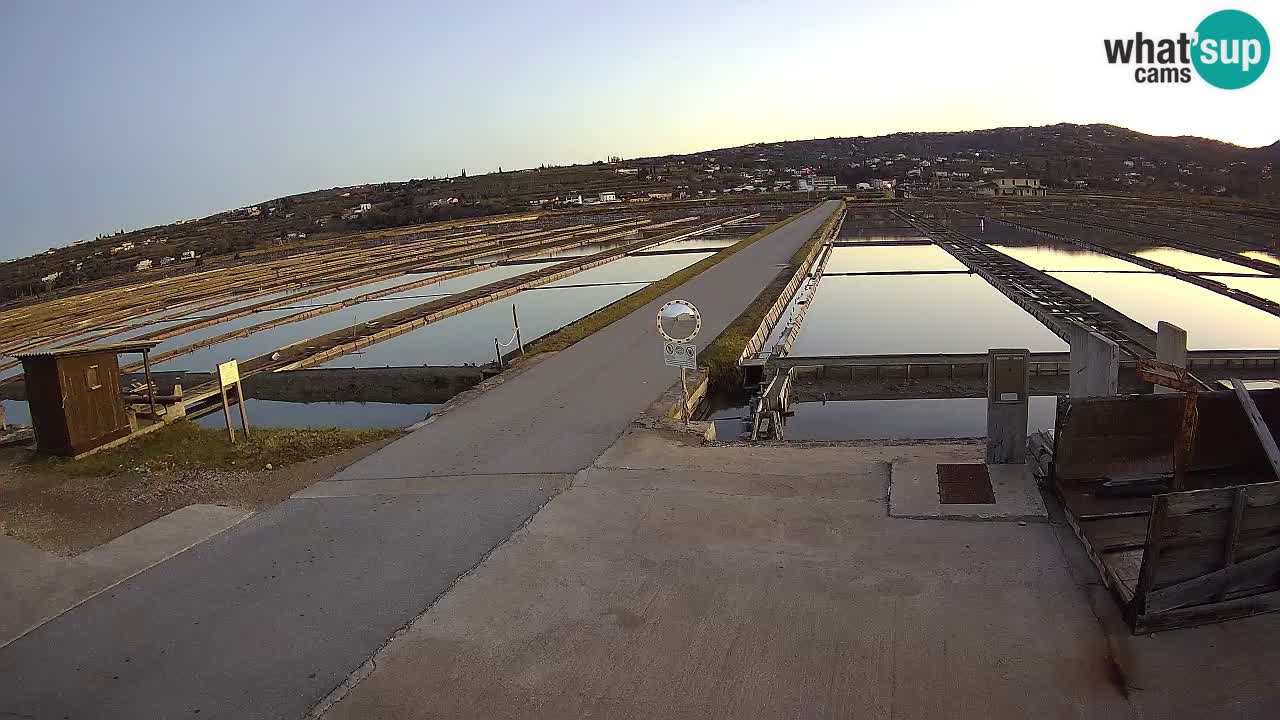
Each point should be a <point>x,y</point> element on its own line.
<point>1259,424</point>
<point>1207,586</point>
<point>1233,539</point>
<point>1151,556</point>
<point>1204,614</point>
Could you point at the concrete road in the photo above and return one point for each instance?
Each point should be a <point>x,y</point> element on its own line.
<point>675,582</point>
<point>751,583</point>
<point>268,618</point>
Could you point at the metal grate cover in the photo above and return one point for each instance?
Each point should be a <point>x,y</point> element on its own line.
<point>967,484</point>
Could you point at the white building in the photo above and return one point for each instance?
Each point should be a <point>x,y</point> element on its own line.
<point>142,265</point>
<point>1018,187</point>
<point>188,255</point>
<point>608,197</point>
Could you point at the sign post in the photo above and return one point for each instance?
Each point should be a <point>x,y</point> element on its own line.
<point>679,322</point>
<point>516,320</point>
<point>229,377</point>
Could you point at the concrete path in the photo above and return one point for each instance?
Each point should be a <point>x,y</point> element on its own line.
<point>36,586</point>
<point>727,587</point>
<point>676,582</point>
<point>267,619</point>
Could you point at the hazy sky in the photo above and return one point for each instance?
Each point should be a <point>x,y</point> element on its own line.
<point>124,114</point>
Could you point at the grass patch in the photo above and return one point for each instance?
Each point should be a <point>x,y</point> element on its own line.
<point>184,445</point>
<point>602,318</point>
<point>720,357</point>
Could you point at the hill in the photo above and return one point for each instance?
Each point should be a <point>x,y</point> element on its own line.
<point>1064,156</point>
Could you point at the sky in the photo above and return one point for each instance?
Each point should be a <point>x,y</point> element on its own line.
<point>126,114</point>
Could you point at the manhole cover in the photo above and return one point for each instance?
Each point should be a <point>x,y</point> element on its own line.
<point>965,485</point>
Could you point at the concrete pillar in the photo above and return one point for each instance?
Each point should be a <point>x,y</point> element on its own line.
<point>1095,364</point>
<point>1171,347</point>
<point>1007,399</point>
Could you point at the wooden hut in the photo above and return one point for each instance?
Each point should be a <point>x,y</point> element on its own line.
<point>75,396</point>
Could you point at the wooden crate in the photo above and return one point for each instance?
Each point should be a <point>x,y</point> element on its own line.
<point>1177,559</point>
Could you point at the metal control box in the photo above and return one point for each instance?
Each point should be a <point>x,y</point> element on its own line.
<point>1007,382</point>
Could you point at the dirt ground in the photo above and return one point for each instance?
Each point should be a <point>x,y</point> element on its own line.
<point>67,515</point>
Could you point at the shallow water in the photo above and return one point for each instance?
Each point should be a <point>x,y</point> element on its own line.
<point>1263,256</point>
<point>1212,321</point>
<point>891,258</point>
<point>273,339</point>
<point>904,419</point>
<point>875,235</point>
<point>633,268</point>
<point>695,243</point>
<point>468,338</point>
<point>899,314</point>
<point>1193,262</point>
<point>1264,287</point>
<point>1052,255</point>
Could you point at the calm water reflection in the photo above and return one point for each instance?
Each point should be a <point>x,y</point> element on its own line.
<point>268,340</point>
<point>892,314</point>
<point>904,419</point>
<point>1212,321</point>
<point>891,258</point>
<point>635,268</point>
<point>1053,255</point>
<point>468,338</point>
<point>1263,256</point>
<point>1263,287</point>
<point>874,235</point>
<point>1193,262</point>
<point>695,243</point>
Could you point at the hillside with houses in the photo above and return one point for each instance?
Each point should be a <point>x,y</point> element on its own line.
<point>1002,161</point>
